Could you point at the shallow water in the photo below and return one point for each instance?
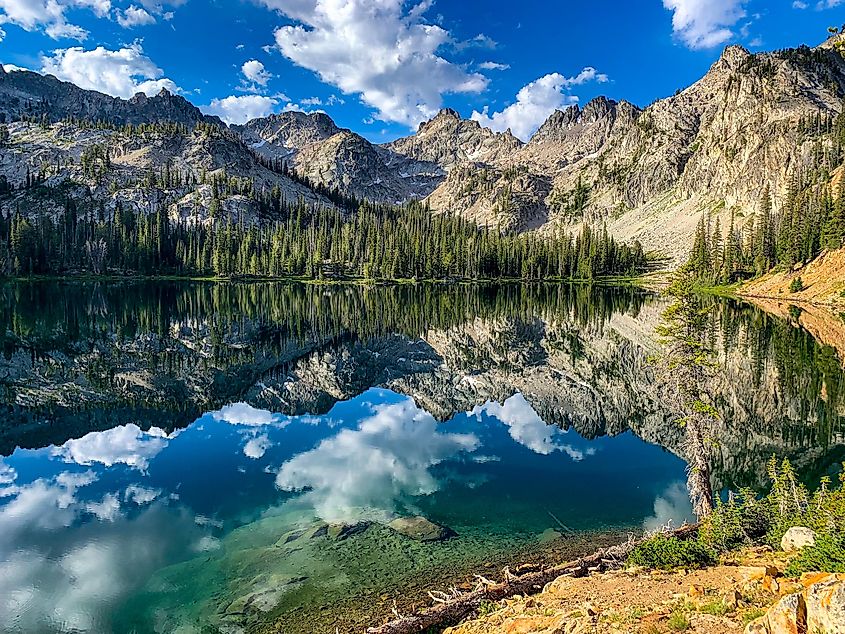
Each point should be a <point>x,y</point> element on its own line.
<point>199,458</point>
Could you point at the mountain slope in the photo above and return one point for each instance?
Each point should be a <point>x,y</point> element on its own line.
<point>716,146</point>
<point>28,94</point>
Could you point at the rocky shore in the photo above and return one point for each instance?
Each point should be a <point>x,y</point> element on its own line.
<point>746,592</point>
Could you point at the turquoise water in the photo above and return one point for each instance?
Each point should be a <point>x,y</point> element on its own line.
<point>201,458</point>
<point>110,531</point>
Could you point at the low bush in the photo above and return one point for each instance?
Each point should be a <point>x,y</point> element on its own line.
<point>796,285</point>
<point>666,552</point>
<point>746,519</point>
<point>826,555</point>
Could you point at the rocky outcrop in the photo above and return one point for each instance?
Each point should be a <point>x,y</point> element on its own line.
<point>448,140</point>
<point>193,157</point>
<point>820,607</point>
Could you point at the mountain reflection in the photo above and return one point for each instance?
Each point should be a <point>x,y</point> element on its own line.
<point>87,357</point>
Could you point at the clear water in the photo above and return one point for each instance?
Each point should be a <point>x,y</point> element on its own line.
<point>176,452</point>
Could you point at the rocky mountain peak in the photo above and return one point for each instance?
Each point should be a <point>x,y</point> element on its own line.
<point>446,118</point>
<point>598,108</point>
<point>139,98</point>
<point>733,56</point>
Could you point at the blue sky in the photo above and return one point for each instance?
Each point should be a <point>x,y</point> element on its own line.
<point>380,67</point>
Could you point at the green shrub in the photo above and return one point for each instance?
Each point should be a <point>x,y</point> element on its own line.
<point>668,552</point>
<point>826,555</point>
<point>678,621</point>
<point>796,285</point>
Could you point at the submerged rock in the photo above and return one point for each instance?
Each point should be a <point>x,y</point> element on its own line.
<point>336,532</point>
<point>421,529</point>
<point>342,531</point>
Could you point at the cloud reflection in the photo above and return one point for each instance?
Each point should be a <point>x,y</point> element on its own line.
<point>365,473</point>
<point>127,444</point>
<point>527,428</point>
<point>672,505</point>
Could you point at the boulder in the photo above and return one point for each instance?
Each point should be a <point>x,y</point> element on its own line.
<point>826,606</point>
<point>421,529</point>
<point>797,538</point>
<point>819,608</point>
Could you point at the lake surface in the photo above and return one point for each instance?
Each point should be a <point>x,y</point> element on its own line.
<point>233,457</point>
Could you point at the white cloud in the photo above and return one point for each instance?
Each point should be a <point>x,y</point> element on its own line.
<point>527,428</point>
<point>798,4</point>
<point>255,448</point>
<point>493,66</point>
<point>367,472</point>
<point>379,50</point>
<point>240,109</point>
<point>127,445</point>
<point>100,8</point>
<point>254,71</point>
<point>120,73</point>
<point>49,15</point>
<point>536,102</point>
<point>702,24</point>
<point>135,16</point>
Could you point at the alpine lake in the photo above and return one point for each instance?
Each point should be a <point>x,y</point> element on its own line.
<point>186,457</point>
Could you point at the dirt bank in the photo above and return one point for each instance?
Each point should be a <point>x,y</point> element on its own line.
<point>823,283</point>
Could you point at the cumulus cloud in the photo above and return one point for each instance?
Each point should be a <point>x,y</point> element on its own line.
<point>535,102</point>
<point>7,473</point>
<point>702,24</point>
<point>44,504</point>
<point>527,428</point>
<point>120,73</point>
<point>493,66</point>
<point>254,72</point>
<point>49,15</point>
<point>127,445</point>
<point>382,51</point>
<point>369,471</point>
<point>135,16</point>
<point>75,583</point>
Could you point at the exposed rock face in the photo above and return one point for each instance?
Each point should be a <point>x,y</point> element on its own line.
<point>24,93</point>
<point>448,140</point>
<point>197,155</point>
<point>337,158</point>
<point>818,608</point>
<point>650,173</point>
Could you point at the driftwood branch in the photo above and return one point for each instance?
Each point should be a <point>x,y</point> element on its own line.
<point>455,610</point>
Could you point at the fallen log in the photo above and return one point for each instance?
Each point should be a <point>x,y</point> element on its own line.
<point>455,610</point>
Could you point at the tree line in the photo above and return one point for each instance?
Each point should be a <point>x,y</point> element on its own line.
<point>298,240</point>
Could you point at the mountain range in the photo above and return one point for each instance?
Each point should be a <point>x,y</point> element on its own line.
<point>749,126</point>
